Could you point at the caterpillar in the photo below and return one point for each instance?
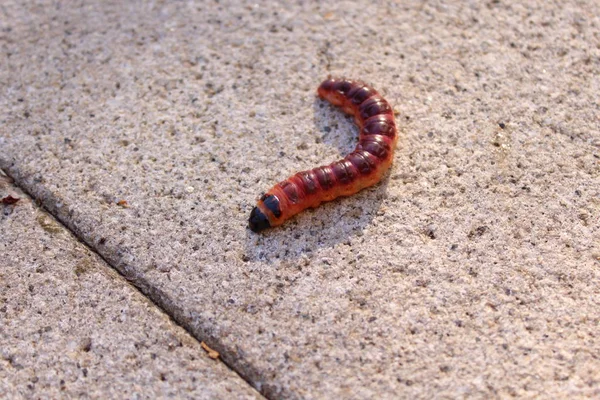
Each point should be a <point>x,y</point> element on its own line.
<point>362,168</point>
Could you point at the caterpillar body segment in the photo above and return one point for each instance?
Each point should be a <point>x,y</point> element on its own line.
<point>362,168</point>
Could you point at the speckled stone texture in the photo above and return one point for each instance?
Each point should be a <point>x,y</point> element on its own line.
<point>71,327</point>
<point>472,270</point>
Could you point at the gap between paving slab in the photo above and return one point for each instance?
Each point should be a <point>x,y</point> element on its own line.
<point>155,297</point>
<point>71,326</point>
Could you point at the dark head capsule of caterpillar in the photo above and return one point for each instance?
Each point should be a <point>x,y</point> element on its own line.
<point>258,220</point>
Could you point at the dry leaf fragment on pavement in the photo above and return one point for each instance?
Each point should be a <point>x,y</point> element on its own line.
<point>211,353</point>
<point>10,200</point>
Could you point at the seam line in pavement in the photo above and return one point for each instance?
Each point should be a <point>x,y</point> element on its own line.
<point>150,297</point>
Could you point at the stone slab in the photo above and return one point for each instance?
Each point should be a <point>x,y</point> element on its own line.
<point>473,270</point>
<point>71,327</point>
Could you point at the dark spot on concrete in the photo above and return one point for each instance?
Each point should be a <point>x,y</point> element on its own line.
<point>47,224</point>
<point>430,232</point>
<point>82,268</point>
<point>477,232</point>
<point>86,345</point>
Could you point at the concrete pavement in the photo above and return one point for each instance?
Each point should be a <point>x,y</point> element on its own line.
<point>149,130</point>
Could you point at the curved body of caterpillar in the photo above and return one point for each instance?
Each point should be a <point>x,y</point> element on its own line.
<point>362,168</point>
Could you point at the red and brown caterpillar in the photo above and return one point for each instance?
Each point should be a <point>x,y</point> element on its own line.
<point>362,168</point>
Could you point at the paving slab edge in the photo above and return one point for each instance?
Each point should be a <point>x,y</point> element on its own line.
<point>53,206</point>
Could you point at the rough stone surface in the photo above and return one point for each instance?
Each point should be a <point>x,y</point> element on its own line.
<point>71,327</point>
<point>472,270</point>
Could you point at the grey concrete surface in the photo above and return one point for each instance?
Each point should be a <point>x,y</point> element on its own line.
<point>71,327</point>
<point>473,270</point>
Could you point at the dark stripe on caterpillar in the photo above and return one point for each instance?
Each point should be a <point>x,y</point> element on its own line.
<point>309,180</point>
<point>381,125</point>
<point>375,105</point>
<point>362,168</point>
<point>344,171</point>
<point>360,93</point>
<point>361,162</point>
<point>324,177</point>
<point>272,203</point>
<point>375,145</point>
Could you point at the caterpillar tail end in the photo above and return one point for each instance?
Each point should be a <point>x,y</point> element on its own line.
<point>258,220</point>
